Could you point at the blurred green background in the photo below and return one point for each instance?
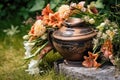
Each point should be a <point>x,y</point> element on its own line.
<point>16,12</point>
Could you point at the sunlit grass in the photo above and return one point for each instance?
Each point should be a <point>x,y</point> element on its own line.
<point>12,64</point>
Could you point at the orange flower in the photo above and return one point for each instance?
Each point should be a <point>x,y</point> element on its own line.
<point>46,11</point>
<point>55,20</point>
<point>38,29</point>
<point>45,14</point>
<point>91,60</point>
<point>107,48</point>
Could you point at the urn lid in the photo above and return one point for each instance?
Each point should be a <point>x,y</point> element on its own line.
<point>74,29</point>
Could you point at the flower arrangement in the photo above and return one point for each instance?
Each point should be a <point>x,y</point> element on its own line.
<point>37,43</point>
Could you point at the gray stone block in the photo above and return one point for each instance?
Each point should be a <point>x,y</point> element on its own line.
<point>79,72</point>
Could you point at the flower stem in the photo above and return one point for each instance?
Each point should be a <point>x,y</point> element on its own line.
<point>39,49</point>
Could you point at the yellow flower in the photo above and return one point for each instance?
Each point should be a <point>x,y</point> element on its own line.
<point>110,34</point>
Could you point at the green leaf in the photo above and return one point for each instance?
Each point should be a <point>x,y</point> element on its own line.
<point>54,3</point>
<point>39,4</point>
<point>1,5</point>
<point>99,4</point>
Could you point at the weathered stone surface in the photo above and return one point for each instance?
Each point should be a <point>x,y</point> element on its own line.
<point>81,73</point>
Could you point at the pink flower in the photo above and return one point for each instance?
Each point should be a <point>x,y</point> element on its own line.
<point>107,48</point>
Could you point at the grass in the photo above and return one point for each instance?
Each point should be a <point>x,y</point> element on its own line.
<point>12,65</point>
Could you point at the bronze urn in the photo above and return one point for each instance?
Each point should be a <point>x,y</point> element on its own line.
<point>73,39</point>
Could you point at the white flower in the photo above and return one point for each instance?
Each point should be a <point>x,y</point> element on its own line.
<point>28,47</point>
<point>99,34</point>
<point>103,24</point>
<point>107,21</point>
<point>64,11</point>
<point>100,28</point>
<point>33,64</point>
<point>33,67</point>
<point>114,24</point>
<point>12,31</point>
<point>95,42</point>
<point>110,34</point>
<point>81,6</point>
<point>115,31</point>
<point>91,21</point>
<point>104,36</point>
<point>33,71</point>
<point>73,4</point>
<point>86,18</point>
<point>26,37</point>
<point>83,9</point>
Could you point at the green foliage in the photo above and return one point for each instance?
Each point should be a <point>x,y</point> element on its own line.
<point>12,65</point>
<point>54,3</point>
<point>39,4</point>
<point>12,8</point>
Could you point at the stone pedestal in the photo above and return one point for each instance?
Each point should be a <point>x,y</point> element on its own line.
<point>78,72</point>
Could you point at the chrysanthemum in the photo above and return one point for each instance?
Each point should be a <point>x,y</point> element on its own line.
<point>64,11</point>
<point>38,29</point>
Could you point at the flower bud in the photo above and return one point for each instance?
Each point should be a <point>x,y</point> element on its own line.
<point>26,37</point>
<point>102,24</point>
<point>91,21</point>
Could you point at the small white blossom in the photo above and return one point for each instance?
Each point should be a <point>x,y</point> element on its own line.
<point>11,31</point>
<point>86,18</point>
<point>91,21</point>
<point>83,9</point>
<point>73,5</point>
<point>33,67</point>
<point>33,71</point>
<point>110,34</point>
<point>26,37</point>
<point>100,28</point>
<point>103,24</point>
<point>28,47</point>
<point>115,31</point>
<point>99,34</point>
<point>81,6</point>
<point>107,22</point>
<point>114,24</point>
<point>95,42</point>
<point>104,36</point>
<point>82,3</point>
<point>33,64</point>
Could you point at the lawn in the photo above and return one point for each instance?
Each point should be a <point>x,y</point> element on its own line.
<point>12,64</point>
